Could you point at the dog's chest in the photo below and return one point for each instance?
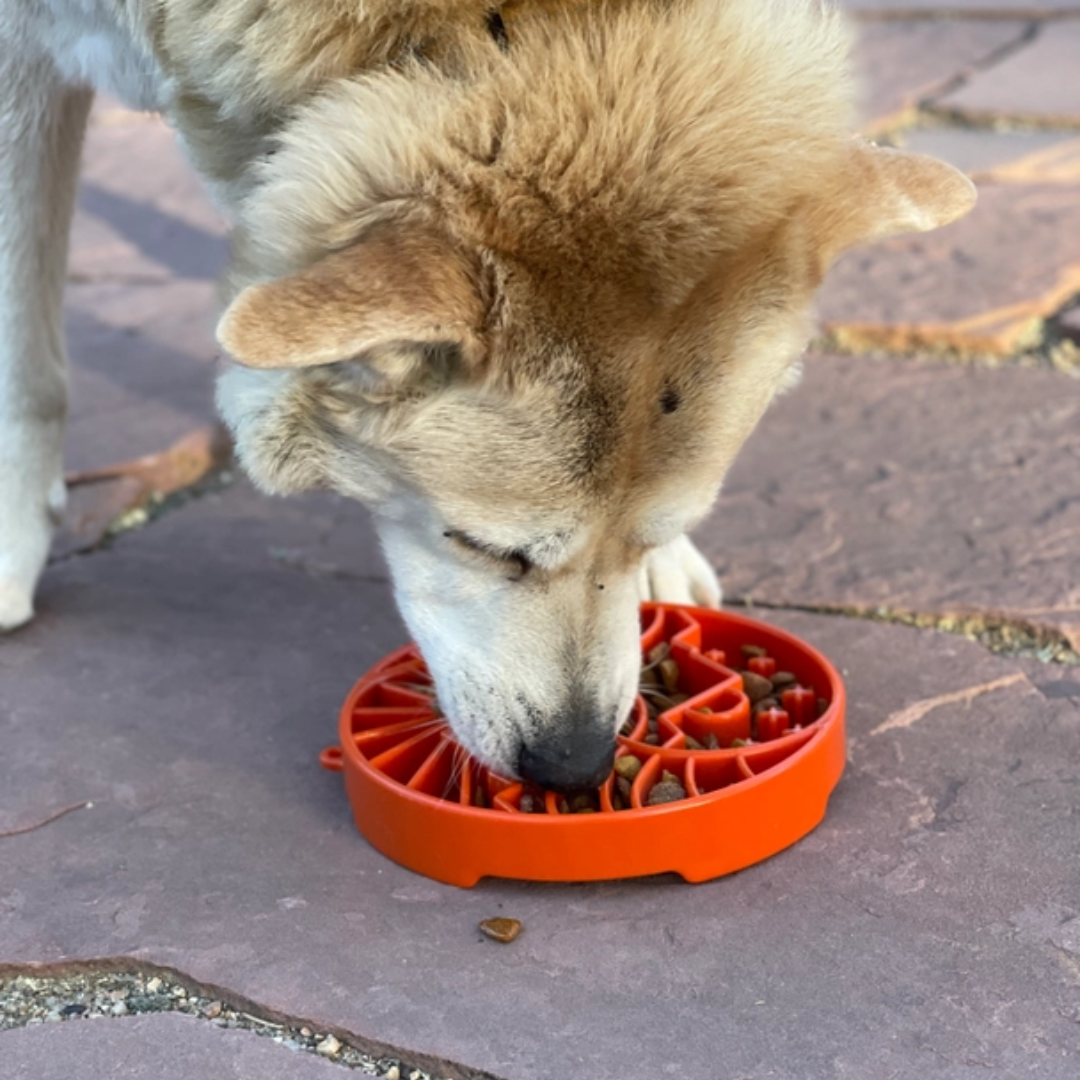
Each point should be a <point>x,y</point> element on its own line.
<point>100,43</point>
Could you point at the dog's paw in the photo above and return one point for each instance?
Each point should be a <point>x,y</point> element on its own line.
<point>25,538</point>
<point>678,573</point>
<point>16,605</point>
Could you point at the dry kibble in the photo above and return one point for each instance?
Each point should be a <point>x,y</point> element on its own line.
<point>623,786</point>
<point>822,706</point>
<point>653,739</point>
<point>564,807</point>
<point>500,929</point>
<point>782,678</point>
<point>480,798</point>
<point>627,766</point>
<point>739,742</point>
<point>754,650</point>
<point>769,702</point>
<point>669,672</point>
<point>585,803</point>
<point>669,789</point>
<point>693,744</point>
<point>756,686</point>
<point>530,804</point>
<point>711,741</point>
<point>659,653</point>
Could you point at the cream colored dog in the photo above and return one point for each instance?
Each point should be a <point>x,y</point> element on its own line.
<point>522,278</point>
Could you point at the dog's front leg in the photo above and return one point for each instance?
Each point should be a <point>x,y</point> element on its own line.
<point>41,131</point>
<point>678,573</point>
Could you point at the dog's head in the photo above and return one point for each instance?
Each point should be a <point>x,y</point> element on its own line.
<point>530,323</point>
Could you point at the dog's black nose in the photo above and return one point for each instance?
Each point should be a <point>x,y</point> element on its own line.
<point>568,762</point>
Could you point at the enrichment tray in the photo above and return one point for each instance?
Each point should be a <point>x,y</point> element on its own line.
<point>420,799</point>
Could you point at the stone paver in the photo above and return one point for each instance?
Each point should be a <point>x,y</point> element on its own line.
<point>1038,84</point>
<point>148,1048</point>
<point>928,924</point>
<point>982,285</point>
<point>976,8</point>
<point>146,249</point>
<point>1019,156</point>
<point>901,64</point>
<point>882,483</point>
<point>142,214</point>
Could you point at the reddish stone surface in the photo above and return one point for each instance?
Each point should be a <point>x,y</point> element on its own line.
<point>1039,83</point>
<point>143,215</point>
<point>882,483</point>
<point>901,63</point>
<point>146,250</point>
<point>982,285</point>
<point>184,682</point>
<point>91,509</point>
<point>894,8</point>
<point>984,153</point>
<point>149,1048</point>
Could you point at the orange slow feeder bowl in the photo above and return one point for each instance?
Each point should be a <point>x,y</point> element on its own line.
<point>421,800</point>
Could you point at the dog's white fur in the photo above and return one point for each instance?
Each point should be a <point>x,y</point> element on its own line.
<point>486,275</point>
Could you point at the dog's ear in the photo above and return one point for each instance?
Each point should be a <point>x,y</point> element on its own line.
<point>399,286</point>
<point>882,192</point>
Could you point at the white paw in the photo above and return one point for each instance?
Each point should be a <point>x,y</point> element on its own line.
<point>678,573</point>
<point>25,536</point>
<point>16,605</point>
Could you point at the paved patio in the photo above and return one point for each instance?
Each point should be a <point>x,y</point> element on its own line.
<point>182,890</point>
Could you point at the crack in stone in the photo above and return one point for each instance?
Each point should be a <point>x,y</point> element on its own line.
<point>999,633</point>
<point>1048,348</point>
<point>1024,38</point>
<point>153,507</point>
<point>122,986</point>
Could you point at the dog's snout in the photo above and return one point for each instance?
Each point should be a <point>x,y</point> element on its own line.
<point>570,758</point>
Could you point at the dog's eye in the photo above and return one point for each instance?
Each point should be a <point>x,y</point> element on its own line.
<point>516,562</point>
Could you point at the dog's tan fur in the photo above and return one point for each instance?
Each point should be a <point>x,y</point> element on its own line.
<point>525,288</point>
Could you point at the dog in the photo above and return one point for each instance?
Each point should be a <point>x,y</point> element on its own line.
<point>521,277</point>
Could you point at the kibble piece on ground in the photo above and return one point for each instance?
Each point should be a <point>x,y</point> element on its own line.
<point>669,789</point>
<point>627,766</point>
<point>756,686</point>
<point>500,929</point>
